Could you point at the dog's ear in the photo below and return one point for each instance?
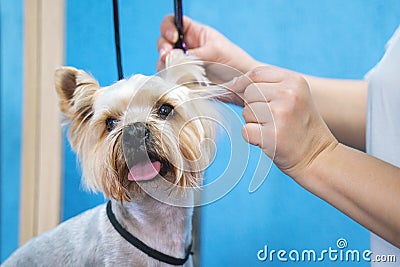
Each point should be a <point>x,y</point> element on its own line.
<point>75,89</point>
<point>183,69</point>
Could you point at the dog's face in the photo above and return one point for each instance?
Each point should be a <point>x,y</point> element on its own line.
<point>138,130</point>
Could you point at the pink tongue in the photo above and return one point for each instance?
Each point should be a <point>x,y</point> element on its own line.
<point>144,171</point>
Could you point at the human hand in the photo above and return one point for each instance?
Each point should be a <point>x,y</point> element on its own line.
<point>282,119</point>
<point>208,45</point>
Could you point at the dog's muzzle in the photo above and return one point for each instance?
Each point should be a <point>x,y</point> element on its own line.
<point>142,164</point>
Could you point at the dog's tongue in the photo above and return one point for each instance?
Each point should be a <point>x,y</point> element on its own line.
<point>144,171</point>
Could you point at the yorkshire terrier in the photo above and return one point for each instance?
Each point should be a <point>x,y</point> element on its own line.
<point>144,142</point>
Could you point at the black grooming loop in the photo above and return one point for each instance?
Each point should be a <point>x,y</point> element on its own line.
<point>179,25</point>
<point>118,227</point>
<point>117,40</point>
<point>178,18</point>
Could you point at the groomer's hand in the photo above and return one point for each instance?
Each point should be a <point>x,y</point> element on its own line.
<point>282,119</point>
<point>207,44</point>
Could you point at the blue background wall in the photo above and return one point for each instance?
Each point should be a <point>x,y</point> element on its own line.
<point>11,23</point>
<point>335,38</point>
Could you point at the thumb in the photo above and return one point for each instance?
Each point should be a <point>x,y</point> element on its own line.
<point>239,84</point>
<point>201,53</point>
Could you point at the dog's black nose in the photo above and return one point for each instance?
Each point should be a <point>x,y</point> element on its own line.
<point>134,142</point>
<point>135,136</point>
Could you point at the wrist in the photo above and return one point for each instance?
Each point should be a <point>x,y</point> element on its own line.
<point>318,171</point>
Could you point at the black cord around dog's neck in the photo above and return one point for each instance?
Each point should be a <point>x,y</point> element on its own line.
<point>117,40</point>
<point>155,254</point>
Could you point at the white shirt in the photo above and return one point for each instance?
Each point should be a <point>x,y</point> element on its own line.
<point>383,125</point>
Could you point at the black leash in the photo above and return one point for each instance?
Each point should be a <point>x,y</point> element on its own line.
<point>178,23</point>
<point>117,40</point>
<point>178,16</point>
<point>155,254</point>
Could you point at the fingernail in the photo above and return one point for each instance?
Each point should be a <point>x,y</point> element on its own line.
<point>172,35</point>
<point>162,52</point>
<point>231,83</point>
<point>234,80</point>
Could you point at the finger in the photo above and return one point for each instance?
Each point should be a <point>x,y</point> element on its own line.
<point>239,84</point>
<point>160,65</point>
<point>258,112</point>
<point>263,74</point>
<point>164,47</point>
<point>189,23</point>
<point>252,133</point>
<point>262,92</point>
<point>196,36</point>
<point>267,74</point>
<point>200,52</point>
<point>168,29</point>
<point>193,31</point>
<point>205,53</point>
<point>163,44</point>
<point>261,136</point>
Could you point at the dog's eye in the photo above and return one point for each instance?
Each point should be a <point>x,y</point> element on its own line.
<point>111,123</point>
<point>165,110</point>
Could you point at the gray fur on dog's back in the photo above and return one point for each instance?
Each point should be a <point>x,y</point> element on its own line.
<point>88,239</point>
<point>76,242</point>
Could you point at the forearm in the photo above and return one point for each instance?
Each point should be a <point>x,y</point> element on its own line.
<point>342,105</point>
<point>361,186</point>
